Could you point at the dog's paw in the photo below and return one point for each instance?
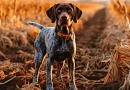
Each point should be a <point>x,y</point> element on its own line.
<point>49,88</point>
<point>72,87</point>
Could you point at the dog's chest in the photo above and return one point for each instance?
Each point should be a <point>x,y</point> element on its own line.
<point>64,49</point>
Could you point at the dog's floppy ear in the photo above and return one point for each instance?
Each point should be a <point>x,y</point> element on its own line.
<point>77,13</point>
<point>51,13</point>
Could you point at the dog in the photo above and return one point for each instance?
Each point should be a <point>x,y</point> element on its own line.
<point>58,42</point>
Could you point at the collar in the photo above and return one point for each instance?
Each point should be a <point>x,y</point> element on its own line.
<point>66,36</point>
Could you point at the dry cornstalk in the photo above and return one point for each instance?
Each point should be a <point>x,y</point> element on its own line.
<point>121,9</point>
<point>87,66</point>
<point>113,73</point>
<point>120,56</point>
<point>126,84</point>
<point>124,9</point>
<point>15,8</point>
<point>119,65</point>
<point>32,86</point>
<point>123,49</point>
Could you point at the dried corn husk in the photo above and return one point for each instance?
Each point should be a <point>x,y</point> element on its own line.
<point>113,73</point>
<point>119,66</point>
<point>126,84</point>
<point>123,49</point>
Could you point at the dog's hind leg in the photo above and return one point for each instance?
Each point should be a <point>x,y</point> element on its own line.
<point>59,69</point>
<point>40,51</point>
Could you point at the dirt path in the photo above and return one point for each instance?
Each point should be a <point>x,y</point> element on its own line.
<point>89,36</point>
<point>88,47</point>
<point>89,39</point>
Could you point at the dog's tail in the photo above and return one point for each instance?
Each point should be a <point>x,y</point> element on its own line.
<point>36,24</point>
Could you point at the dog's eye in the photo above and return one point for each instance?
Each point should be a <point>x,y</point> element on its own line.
<point>59,11</point>
<point>69,11</point>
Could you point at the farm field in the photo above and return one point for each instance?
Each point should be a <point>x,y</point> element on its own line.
<point>102,37</point>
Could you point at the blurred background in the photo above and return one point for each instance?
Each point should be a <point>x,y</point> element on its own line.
<point>97,31</point>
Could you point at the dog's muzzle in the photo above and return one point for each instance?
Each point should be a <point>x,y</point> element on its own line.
<point>64,20</point>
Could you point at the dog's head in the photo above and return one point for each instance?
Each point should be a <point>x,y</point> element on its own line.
<point>64,13</point>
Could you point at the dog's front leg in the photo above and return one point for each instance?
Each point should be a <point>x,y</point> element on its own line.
<point>71,65</point>
<point>49,66</point>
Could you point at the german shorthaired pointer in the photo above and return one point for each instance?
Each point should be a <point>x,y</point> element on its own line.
<point>58,42</point>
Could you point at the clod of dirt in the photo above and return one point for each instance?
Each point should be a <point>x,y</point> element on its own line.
<point>2,56</point>
<point>22,56</point>
<point>94,75</point>
<point>109,86</point>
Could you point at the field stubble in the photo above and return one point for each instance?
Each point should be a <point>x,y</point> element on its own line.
<point>17,52</point>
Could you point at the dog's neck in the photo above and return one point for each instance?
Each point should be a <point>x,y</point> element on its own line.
<point>64,31</point>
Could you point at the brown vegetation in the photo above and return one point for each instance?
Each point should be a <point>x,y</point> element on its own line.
<point>119,60</point>
<point>100,31</point>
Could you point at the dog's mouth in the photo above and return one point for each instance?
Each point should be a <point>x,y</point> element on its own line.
<point>64,29</point>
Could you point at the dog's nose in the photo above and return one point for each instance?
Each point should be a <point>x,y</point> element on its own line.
<point>64,17</point>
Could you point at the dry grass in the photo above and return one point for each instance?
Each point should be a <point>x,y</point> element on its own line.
<point>16,37</point>
<point>15,13</point>
<point>118,41</point>
<point>5,42</point>
<point>14,32</point>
